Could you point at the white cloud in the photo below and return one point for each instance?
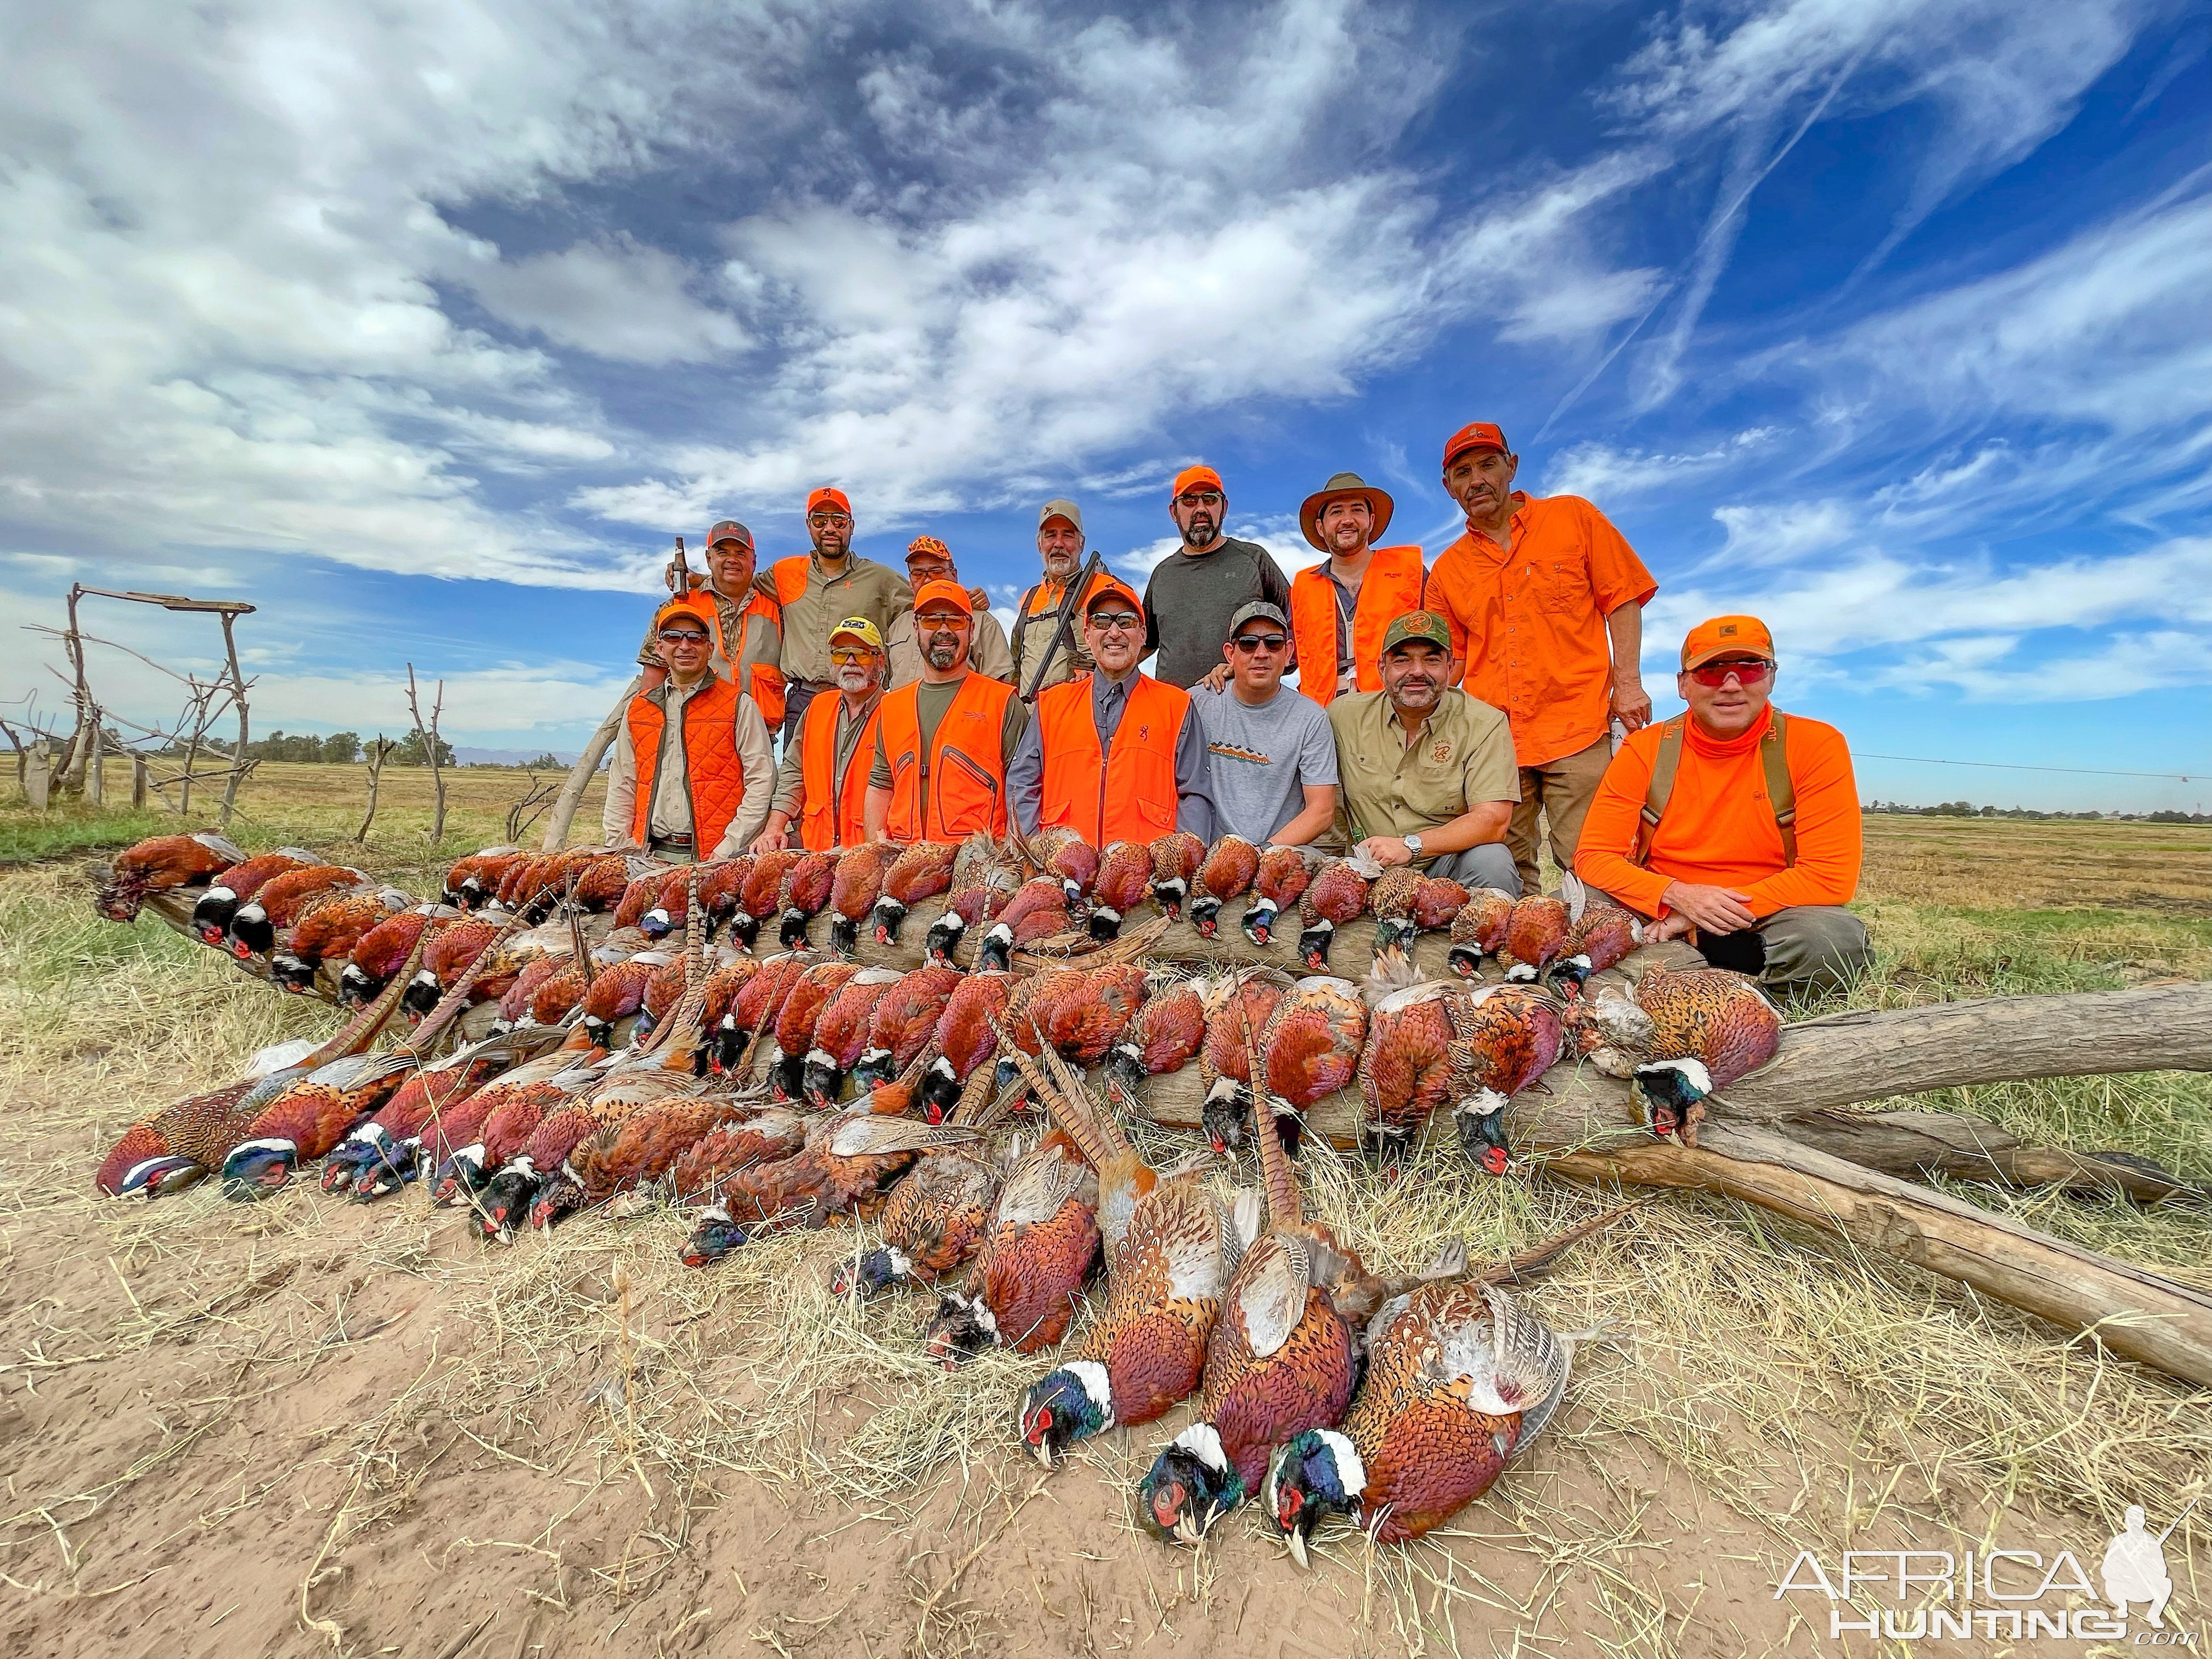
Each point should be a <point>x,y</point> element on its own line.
<point>1599,471</point>
<point>1783,534</point>
<point>612,298</point>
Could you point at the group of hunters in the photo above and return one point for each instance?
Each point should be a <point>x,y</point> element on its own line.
<point>1440,713</point>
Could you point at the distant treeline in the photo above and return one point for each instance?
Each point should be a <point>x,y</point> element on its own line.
<point>1967,808</point>
<point>343,747</point>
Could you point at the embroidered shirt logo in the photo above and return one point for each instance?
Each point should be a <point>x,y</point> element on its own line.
<point>1231,751</point>
<point>1441,752</point>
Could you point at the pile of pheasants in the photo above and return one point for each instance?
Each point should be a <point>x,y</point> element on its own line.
<point>947,1105</point>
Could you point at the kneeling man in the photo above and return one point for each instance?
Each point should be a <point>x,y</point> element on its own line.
<point>1735,825</point>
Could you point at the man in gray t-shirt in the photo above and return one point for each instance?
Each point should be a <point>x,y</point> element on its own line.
<point>1270,749</point>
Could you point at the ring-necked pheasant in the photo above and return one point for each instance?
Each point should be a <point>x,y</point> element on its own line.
<point>1059,853</point>
<point>328,931</point>
<point>1224,1058</point>
<point>855,886</point>
<point>219,901</point>
<point>806,888</point>
<point>799,1010</point>
<point>1406,902</point>
<point>922,870</point>
<point>1504,1037</point>
<point>1281,879</point>
<point>1125,877</point>
<point>1336,894</point>
<point>757,890</point>
<point>1405,1068</point>
<point>841,1034</point>
<point>1165,1034</point>
<point>162,863</point>
<point>1478,930</point>
<point>1176,857</point>
<point>967,1037</point>
<point>1686,1033</point>
<point>1308,1048</point>
<point>757,1006</point>
<point>379,1157</point>
<point>473,879</point>
<point>933,1222</point>
<point>904,1021</point>
<point>280,902</point>
<point>1038,910</point>
<point>1603,935</point>
<point>1230,866</point>
<point>1169,1248</point>
<point>1536,935</point>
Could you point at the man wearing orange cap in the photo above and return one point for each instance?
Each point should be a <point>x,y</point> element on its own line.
<point>692,772</point>
<point>943,743</point>
<point>1735,825</point>
<point>1114,755</point>
<point>821,589</point>
<point>822,783</point>
<point>1208,579</point>
<point>1340,607</point>
<point>1545,599</point>
<point>929,560</point>
<point>748,627</point>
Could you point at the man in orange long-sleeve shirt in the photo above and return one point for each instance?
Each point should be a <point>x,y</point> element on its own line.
<point>1545,599</point>
<point>1735,825</point>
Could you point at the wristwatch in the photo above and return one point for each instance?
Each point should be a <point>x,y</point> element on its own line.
<point>1413,847</point>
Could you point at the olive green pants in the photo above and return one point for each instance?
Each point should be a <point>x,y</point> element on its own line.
<point>1562,791</point>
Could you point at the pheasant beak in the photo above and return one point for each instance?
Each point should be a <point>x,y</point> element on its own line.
<point>1186,1532</point>
<point>1297,1542</point>
<point>1043,1452</point>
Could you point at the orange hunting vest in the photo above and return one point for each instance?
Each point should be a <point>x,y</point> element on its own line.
<point>1396,582</point>
<point>965,771</point>
<point>830,814</point>
<point>766,686</point>
<point>1132,796</point>
<point>716,776</point>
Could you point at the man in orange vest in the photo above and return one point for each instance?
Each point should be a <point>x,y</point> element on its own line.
<point>821,784</point>
<point>1115,755</point>
<point>1340,608</point>
<point>942,744</point>
<point>818,590</point>
<point>1545,599</point>
<point>748,626</point>
<point>1037,663</point>
<point>1734,825</point>
<point>692,772</point>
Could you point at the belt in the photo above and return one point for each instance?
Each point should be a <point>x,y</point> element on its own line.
<point>671,841</point>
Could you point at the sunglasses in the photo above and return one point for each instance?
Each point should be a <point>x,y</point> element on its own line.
<point>1106,622</point>
<point>941,621</point>
<point>1749,670</point>
<point>846,656</point>
<point>1250,643</point>
<point>682,636</point>
<point>1200,498</point>
<point>827,519</point>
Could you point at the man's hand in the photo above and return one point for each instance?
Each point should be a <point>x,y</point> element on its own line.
<point>1677,926</point>
<point>770,840</point>
<point>1216,680</point>
<point>1632,703</point>
<point>1715,909</point>
<point>1388,851</point>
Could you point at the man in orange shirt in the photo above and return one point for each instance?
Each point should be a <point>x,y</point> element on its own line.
<point>1735,825</point>
<point>1545,599</point>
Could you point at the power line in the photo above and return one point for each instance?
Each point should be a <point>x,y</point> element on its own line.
<point>2016,766</point>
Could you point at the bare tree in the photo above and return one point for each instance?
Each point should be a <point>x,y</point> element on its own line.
<point>531,807</point>
<point>376,753</point>
<point>429,736</point>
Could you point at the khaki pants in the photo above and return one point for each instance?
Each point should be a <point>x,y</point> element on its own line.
<point>1562,790</point>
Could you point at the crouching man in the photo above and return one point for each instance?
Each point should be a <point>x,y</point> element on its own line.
<point>692,774</point>
<point>1734,824</point>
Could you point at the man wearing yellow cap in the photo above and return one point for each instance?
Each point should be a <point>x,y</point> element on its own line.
<point>692,772</point>
<point>1736,826</point>
<point>1208,579</point>
<point>1115,755</point>
<point>942,742</point>
<point>928,560</point>
<point>822,785</point>
<point>818,590</point>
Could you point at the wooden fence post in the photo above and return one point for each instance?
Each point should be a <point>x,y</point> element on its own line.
<point>95,775</point>
<point>40,778</point>
<point>138,783</point>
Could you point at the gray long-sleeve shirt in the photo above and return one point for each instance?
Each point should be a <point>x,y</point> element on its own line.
<point>1108,697</point>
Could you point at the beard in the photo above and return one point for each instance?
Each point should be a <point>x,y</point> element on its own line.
<point>941,657</point>
<point>1201,530</point>
<point>852,679</point>
<point>1417,694</point>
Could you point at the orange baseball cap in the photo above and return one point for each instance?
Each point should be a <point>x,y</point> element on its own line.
<point>1475,434</point>
<point>828,497</point>
<point>1190,477</point>
<point>1727,636</point>
<point>943,592</point>
<point>1115,589</point>
<point>686,608</point>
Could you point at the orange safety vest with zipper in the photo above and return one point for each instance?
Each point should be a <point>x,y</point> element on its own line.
<point>1396,582</point>
<point>1129,795</point>
<point>714,776</point>
<point>830,812</point>
<point>963,776</point>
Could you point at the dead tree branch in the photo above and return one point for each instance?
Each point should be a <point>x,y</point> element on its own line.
<point>429,739</point>
<point>377,753</point>
<point>526,812</point>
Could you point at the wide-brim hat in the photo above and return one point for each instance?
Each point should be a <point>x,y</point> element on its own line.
<point>1336,489</point>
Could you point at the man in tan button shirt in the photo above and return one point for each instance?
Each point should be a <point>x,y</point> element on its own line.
<point>818,590</point>
<point>929,560</point>
<point>1426,774</point>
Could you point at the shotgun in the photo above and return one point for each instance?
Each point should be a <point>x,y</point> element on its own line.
<point>1076,585</point>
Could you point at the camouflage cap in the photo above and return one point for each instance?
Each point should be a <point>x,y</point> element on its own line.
<point>1416,625</point>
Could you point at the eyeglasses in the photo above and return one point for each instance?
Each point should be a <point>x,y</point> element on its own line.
<point>1749,670</point>
<point>682,636</point>
<point>1200,498</point>
<point>941,621</point>
<point>824,519</point>
<point>1250,643</point>
<point>1106,622</point>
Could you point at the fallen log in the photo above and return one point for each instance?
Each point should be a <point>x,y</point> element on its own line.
<point>1915,1143</point>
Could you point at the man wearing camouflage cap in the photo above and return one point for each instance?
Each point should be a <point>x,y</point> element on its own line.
<point>749,625</point>
<point>1426,774</point>
<point>929,560</point>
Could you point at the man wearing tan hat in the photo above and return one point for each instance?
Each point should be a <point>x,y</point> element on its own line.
<point>1545,602</point>
<point>1339,609</point>
<point>943,743</point>
<point>822,785</point>
<point>1117,755</point>
<point>1736,826</point>
<point>1426,774</point>
<point>748,627</point>
<point>692,774</point>
<point>1208,579</point>
<point>928,560</point>
<point>1037,662</point>
<point>818,590</point>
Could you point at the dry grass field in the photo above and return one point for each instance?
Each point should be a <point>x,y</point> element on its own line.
<point>314,1427</point>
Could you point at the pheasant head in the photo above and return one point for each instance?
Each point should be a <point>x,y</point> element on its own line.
<point>962,1327</point>
<point>1481,1119</point>
<point>1313,1473</point>
<point>714,1236</point>
<point>870,1273</point>
<point>1069,1404</point>
<point>1191,1483</point>
<point>505,1202</point>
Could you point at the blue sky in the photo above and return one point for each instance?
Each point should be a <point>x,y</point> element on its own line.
<point>428,327</point>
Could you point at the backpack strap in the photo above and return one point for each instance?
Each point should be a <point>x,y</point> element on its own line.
<point>1781,794</point>
<point>1664,765</point>
<point>1022,626</point>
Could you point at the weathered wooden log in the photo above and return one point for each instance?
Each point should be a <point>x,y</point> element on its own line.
<point>1914,1143</point>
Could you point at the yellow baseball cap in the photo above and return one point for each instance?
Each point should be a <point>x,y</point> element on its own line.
<point>860,629</point>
